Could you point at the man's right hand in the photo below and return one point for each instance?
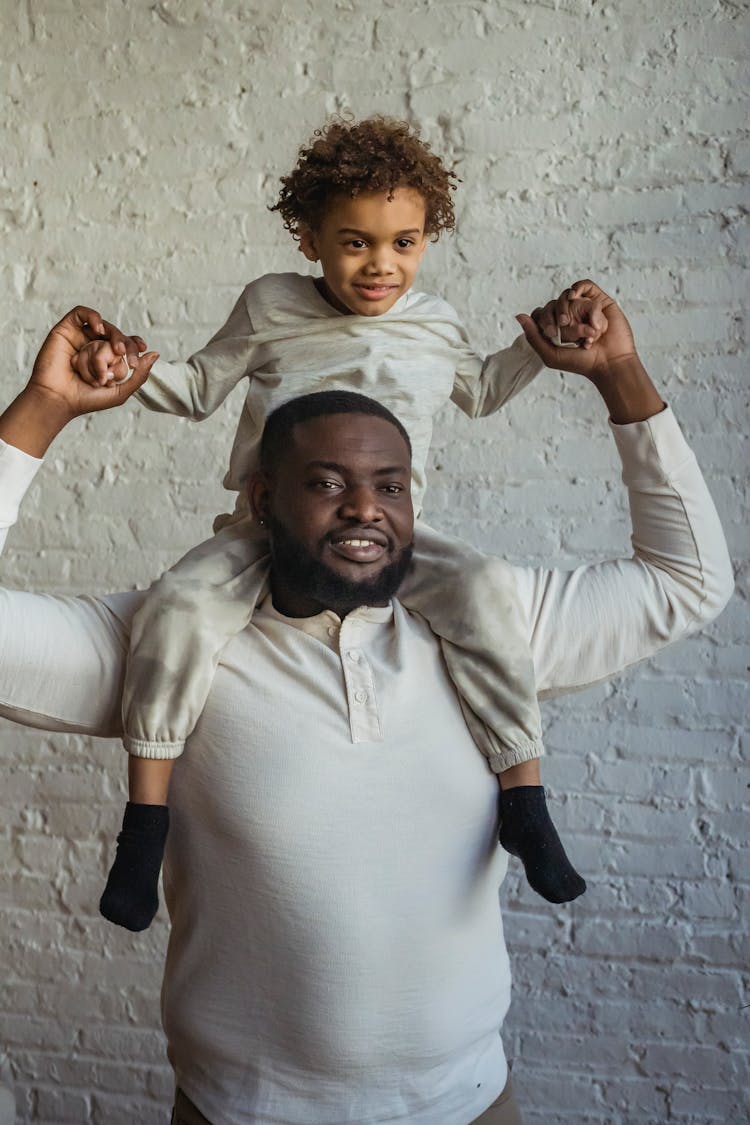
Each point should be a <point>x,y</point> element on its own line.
<point>610,362</point>
<point>55,394</point>
<point>599,357</point>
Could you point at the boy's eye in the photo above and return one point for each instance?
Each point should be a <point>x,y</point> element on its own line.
<point>404,243</point>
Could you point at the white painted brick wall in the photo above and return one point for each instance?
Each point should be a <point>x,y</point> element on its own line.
<point>141,143</point>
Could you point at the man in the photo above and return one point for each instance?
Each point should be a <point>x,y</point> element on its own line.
<point>336,953</point>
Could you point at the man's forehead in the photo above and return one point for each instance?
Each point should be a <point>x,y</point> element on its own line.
<point>333,437</point>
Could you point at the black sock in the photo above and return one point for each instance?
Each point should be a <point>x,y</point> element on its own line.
<point>130,897</point>
<point>527,831</point>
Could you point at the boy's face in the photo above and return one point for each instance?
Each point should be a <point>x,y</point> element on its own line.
<point>370,248</point>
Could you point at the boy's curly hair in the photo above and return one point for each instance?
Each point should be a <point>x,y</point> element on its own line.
<point>377,154</point>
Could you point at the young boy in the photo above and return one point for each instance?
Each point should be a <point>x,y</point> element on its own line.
<point>363,200</point>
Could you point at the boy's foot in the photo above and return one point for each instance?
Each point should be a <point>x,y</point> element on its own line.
<point>527,831</point>
<point>130,897</point>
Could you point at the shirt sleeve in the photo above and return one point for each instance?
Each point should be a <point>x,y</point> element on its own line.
<point>482,387</point>
<point>588,623</point>
<point>196,388</point>
<point>62,661</point>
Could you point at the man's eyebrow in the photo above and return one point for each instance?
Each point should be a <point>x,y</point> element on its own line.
<point>335,467</point>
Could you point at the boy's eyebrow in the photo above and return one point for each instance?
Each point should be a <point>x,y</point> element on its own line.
<point>366,234</point>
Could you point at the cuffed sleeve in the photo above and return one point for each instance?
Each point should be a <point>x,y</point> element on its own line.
<point>196,388</point>
<point>481,388</point>
<point>588,623</point>
<point>17,471</point>
<point>62,659</point>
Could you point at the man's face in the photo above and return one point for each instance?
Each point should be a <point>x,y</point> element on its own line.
<point>370,248</point>
<point>339,515</point>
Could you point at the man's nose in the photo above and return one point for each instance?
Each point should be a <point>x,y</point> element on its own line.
<point>361,503</point>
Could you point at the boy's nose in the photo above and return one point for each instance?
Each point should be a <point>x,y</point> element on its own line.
<point>381,261</point>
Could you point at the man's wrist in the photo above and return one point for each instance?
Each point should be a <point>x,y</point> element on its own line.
<point>627,390</point>
<point>34,419</point>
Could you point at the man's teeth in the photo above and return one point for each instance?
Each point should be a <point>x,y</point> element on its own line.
<point>357,542</point>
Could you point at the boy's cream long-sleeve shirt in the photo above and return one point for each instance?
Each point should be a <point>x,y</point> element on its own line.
<point>287,340</point>
<point>336,954</point>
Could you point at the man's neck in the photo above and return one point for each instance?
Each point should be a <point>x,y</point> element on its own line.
<point>293,603</point>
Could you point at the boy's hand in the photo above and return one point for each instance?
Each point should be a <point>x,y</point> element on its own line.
<point>108,355</point>
<point>598,356</point>
<point>573,319</point>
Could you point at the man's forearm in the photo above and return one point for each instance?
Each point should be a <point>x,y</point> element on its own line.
<point>33,420</point>
<point>628,392</point>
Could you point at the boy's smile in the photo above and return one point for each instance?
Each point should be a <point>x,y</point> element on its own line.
<point>370,248</point>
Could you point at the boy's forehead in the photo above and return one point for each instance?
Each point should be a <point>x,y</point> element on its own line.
<point>404,207</point>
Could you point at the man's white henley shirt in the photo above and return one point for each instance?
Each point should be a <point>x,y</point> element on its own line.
<point>336,954</point>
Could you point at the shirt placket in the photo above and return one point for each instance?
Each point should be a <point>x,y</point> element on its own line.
<point>364,719</point>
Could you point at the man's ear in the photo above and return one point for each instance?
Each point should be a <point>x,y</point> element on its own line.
<point>308,245</point>
<point>258,493</point>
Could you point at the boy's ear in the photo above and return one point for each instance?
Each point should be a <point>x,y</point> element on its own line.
<point>308,245</point>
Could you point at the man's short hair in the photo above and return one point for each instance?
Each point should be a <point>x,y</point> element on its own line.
<point>281,422</point>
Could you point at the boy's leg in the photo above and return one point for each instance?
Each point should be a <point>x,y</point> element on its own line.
<point>130,898</point>
<point>470,601</point>
<point>178,633</point>
<point>187,618</point>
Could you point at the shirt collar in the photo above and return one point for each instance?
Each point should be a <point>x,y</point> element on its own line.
<point>326,626</point>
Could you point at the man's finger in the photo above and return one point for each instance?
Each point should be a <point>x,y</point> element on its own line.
<point>130,346</point>
<point>589,288</point>
<point>598,319</point>
<point>87,319</point>
<point>80,325</point>
<point>562,308</point>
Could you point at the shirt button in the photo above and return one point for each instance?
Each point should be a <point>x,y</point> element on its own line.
<point>353,655</point>
<point>331,630</point>
<point>360,696</point>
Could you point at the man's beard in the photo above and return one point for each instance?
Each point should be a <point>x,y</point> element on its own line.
<point>304,573</point>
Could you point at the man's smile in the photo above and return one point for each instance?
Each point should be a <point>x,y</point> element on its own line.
<point>362,545</point>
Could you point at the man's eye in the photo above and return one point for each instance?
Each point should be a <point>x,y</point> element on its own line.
<point>393,489</point>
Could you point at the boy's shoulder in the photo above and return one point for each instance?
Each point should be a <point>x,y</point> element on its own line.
<point>276,299</point>
<point>280,286</point>
<point>428,304</point>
